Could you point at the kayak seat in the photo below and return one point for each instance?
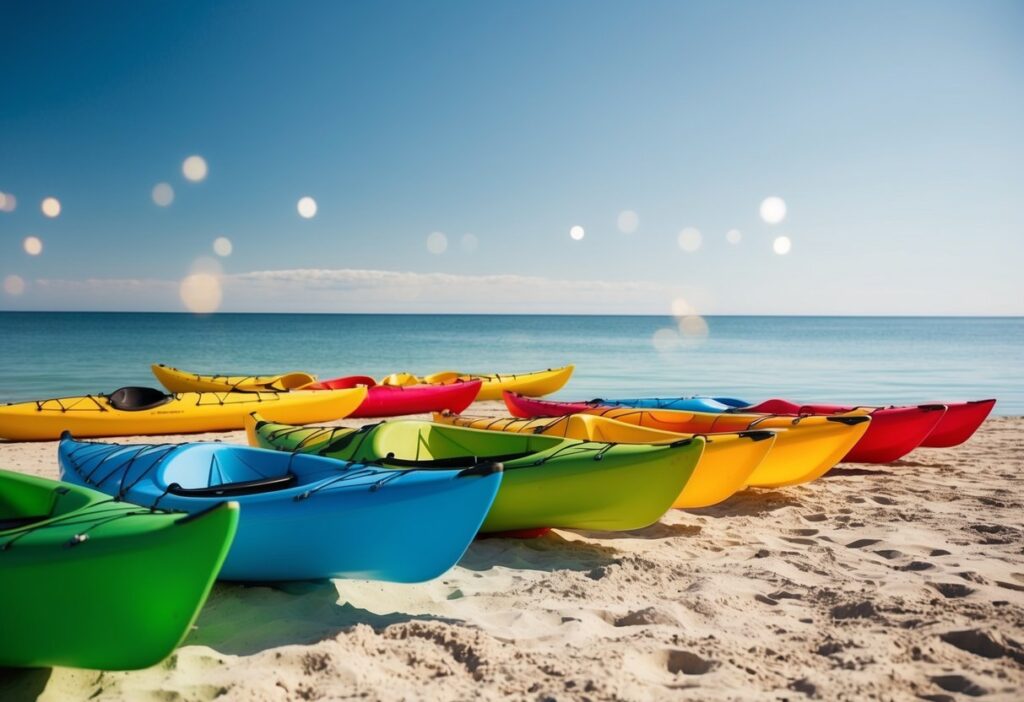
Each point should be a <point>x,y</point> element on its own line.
<point>19,522</point>
<point>245,487</point>
<point>134,399</point>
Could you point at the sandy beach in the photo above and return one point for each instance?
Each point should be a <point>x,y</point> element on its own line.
<point>903,581</point>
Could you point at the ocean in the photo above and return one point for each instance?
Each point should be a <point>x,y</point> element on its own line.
<point>874,360</point>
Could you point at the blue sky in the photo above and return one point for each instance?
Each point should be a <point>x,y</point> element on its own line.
<point>893,131</point>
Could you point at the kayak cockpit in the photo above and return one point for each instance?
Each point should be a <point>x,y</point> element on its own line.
<point>27,501</point>
<point>135,399</point>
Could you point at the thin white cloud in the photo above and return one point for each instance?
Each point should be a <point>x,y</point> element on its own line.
<point>364,290</point>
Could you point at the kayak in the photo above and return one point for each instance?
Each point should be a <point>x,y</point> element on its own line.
<point>392,400</point>
<point>894,432</point>
<point>956,425</point>
<point>135,410</point>
<point>724,468</point>
<point>177,380</point>
<point>959,423</point>
<point>549,481</point>
<point>381,400</point>
<point>91,583</point>
<point>533,384</point>
<point>303,517</point>
<point>807,449</point>
<point>687,404</point>
<point>891,434</point>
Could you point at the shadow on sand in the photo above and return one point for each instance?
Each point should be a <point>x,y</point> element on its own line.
<point>242,620</point>
<point>658,530</point>
<point>749,503</point>
<point>848,472</point>
<point>547,553</point>
<point>23,683</point>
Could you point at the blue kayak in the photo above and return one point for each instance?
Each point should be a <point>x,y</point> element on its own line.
<point>303,517</point>
<point>686,404</point>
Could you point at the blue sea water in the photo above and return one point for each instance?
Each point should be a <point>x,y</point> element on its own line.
<point>848,359</point>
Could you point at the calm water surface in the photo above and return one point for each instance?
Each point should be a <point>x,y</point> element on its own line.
<point>865,360</point>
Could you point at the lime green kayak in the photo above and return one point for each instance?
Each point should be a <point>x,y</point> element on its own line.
<point>549,481</point>
<point>89,582</point>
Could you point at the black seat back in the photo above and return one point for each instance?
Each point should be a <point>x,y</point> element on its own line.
<point>133,399</point>
<point>245,487</point>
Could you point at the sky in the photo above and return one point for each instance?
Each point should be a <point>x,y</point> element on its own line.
<point>524,157</point>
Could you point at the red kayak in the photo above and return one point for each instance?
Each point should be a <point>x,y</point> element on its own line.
<point>894,431</point>
<point>957,425</point>
<point>530,407</point>
<point>391,401</point>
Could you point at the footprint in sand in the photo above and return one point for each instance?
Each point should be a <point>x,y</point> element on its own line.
<point>803,532</point>
<point>917,566</point>
<point>687,663</point>
<point>645,617</point>
<point>863,543</point>
<point>883,500</point>
<point>854,610</point>
<point>952,590</point>
<point>982,643</point>
<point>1010,586</point>
<point>819,517</point>
<point>889,553</point>
<point>959,683</point>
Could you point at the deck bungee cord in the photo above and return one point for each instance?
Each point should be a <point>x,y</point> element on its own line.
<point>349,471</point>
<point>95,515</point>
<point>205,398</point>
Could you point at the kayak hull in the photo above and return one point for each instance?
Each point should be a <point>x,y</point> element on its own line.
<point>303,517</point>
<point>725,467</point>
<point>176,380</point>
<point>394,401</point>
<point>959,423</point>
<point>549,481</point>
<point>807,449</point>
<point>120,596</point>
<point>894,431</point>
<point>533,384</point>
<point>93,416</point>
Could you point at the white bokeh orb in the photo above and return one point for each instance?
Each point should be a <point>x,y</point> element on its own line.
<point>773,209</point>
<point>782,245</point>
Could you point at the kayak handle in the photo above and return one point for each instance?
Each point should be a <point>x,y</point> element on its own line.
<point>850,421</point>
<point>482,469</point>
<point>757,435</point>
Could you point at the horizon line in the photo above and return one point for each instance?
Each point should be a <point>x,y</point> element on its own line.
<point>517,314</point>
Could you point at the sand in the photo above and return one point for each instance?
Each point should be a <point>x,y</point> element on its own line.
<point>903,581</point>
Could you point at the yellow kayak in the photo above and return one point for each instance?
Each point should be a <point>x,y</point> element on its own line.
<point>533,384</point>
<point>133,410</point>
<point>177,380</point>
<point>724,468</point>
<point>805,447</point>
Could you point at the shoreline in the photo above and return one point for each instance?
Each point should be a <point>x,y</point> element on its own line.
<point>901,581</point>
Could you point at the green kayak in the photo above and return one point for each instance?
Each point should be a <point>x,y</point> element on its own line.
<point>549,481</point>
<point>89,582</point>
